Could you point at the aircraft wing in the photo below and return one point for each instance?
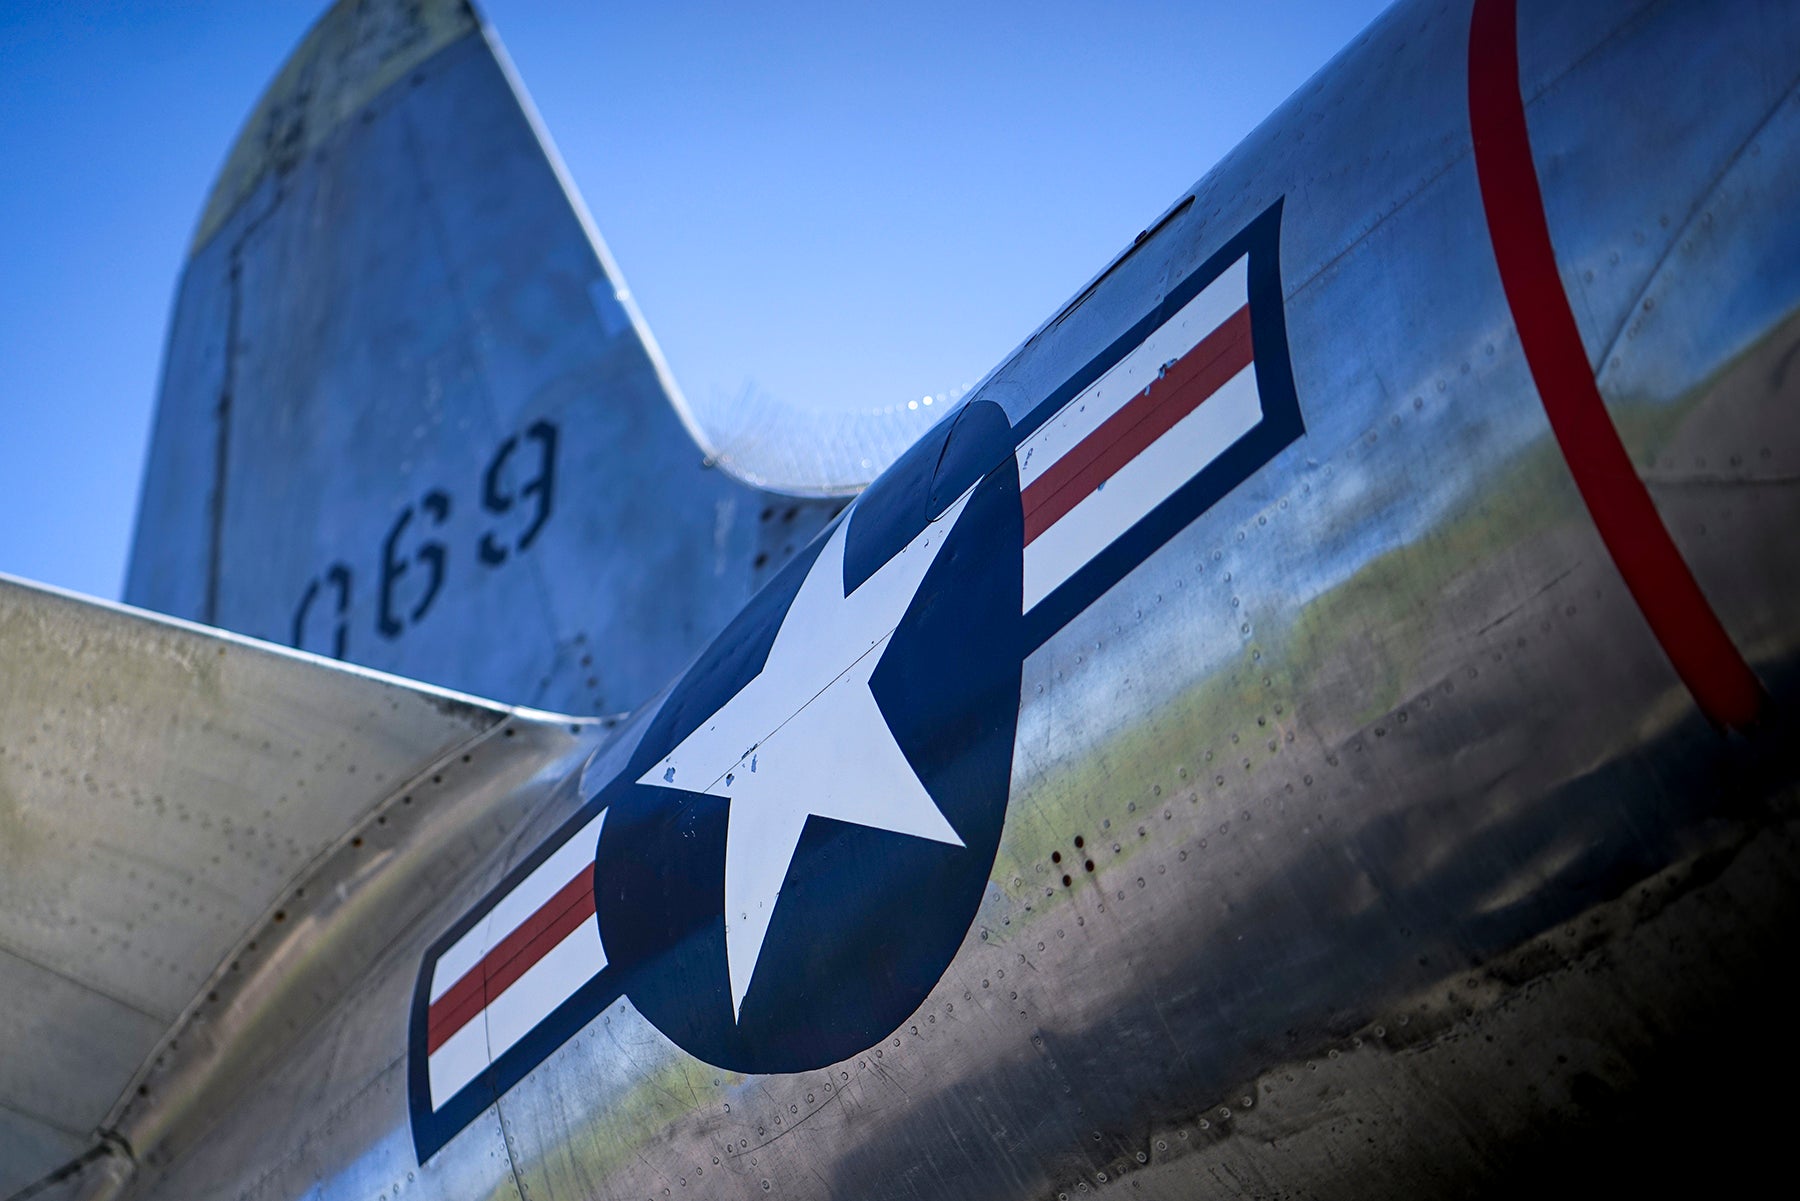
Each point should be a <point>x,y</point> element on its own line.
<point>167,792</point>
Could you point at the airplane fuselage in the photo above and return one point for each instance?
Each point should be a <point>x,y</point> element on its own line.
<point>1259,744</point>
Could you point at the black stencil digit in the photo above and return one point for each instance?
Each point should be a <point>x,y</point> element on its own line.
<point>299,613</point>
<point>339,577</point>
<point>392,569</point>
<point>543,485</point>
<point>495,500</point>
<point>432,556</point>
<point>306,600</point>
<point>437,504</point>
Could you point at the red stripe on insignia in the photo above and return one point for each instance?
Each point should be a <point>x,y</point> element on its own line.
<point>511,958</point>
<point>1181,389</point>
<point>560,917</point>
<point>1680,617</point>
<point>455,1009</point>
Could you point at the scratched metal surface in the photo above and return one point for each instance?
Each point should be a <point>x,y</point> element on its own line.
<point>1415,869</point>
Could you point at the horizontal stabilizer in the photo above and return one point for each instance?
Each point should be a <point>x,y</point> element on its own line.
<point>164,788</point>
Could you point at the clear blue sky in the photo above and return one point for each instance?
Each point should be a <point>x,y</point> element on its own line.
<point>837,204</point>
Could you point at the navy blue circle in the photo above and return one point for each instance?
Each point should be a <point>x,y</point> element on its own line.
<point>868,920</point>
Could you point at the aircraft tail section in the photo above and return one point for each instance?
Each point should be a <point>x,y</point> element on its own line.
<point>409,416</point>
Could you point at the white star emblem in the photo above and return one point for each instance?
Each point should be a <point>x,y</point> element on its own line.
<point>805,737</point>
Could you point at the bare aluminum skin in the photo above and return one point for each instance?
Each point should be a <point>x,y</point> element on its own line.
<point>1415,869</point>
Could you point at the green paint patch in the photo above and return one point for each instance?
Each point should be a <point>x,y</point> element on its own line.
<point>1366,642</point>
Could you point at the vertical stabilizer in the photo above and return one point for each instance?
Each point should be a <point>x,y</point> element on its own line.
<point>409,416</point>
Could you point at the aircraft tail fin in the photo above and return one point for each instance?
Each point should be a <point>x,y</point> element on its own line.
<point>409,416</point>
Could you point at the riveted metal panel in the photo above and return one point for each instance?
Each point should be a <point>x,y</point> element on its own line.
<point>163,788</point>
<point>1361,841</point>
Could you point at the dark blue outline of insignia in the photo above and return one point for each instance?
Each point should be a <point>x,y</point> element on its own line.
<point>1280,426</point>
<point>433,1128</point>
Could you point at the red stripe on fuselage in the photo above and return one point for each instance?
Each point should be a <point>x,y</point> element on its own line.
<point>1149,415</point>
<point>1680,617</point>
<point>511,958</point>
